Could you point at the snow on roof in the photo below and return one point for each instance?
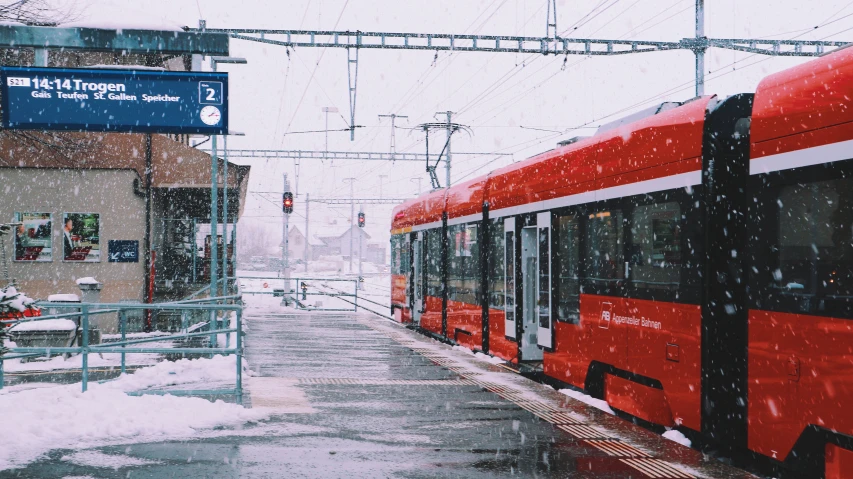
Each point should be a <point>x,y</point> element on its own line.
<point>87,280</point>
<point>126,67</point>
<point>63,298</point>
<point>46,325</point>
<point>124,24</point>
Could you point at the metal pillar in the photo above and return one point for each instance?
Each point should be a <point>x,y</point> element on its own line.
<point>225,217</point>
<point>195,252</point>
<point>358,282</point>
<point>352,79</point>
<point>307,243</point>
<point>393,118</point>
<point>380,184</point>
<point>351,217</point>
<point>285,266</point>
<point>551,23</point>
<point>447,156</point>
<point>41,57</point>
<point>214,215</point>
<point>699,51</point>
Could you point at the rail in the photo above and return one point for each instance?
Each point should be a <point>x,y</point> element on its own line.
<point>210,308</point>
<point>306,286</point>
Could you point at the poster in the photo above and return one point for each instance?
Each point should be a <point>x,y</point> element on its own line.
<point>81,239</point>
<point>33,237</point>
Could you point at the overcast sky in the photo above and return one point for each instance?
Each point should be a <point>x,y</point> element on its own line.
<point>277,95</point>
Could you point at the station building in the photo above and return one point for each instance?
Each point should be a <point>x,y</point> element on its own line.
<point>99,205</point>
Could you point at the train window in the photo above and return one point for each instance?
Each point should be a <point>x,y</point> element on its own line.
<point>815,248</point>
<point>604,251</point>
<point>463,275</point>
<point>655,254</point>
<point>400,260</point>
<point>432,248</point>
<point>566,269</point>
<point>544,303</point>
<point>496,264</point>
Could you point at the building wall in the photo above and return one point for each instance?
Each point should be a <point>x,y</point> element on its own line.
<point>57,191</point>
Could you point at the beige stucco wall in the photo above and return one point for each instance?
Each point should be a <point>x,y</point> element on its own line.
<point>55,191</point>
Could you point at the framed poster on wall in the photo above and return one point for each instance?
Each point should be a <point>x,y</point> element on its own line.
<point>81,240</point>
<point>34,237</point>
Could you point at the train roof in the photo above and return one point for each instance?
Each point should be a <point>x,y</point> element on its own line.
<point>785,114</point>
<point>664,142</point>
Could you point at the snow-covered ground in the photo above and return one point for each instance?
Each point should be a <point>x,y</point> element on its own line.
<point>50,417</point>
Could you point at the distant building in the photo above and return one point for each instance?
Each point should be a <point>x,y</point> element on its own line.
<point>331,241</point>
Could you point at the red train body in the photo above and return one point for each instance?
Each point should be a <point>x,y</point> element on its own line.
<point>694,268</point>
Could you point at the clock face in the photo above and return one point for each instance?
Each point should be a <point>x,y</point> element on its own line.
<point>211,115</point>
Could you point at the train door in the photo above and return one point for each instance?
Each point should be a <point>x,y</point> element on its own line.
<point>529,347</point>
<point>544,320</point>
<point>417,278</point>
<point>510,324</point>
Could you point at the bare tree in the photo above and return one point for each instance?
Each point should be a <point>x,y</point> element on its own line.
<point>39,12</point>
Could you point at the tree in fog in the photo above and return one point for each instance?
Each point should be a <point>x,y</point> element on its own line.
<point>39,12</point>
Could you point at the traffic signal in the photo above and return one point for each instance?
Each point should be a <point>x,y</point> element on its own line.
<point>287,202</point>
<point>361,220</point>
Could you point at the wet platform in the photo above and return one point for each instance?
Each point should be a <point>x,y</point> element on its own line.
<point>359,396</point>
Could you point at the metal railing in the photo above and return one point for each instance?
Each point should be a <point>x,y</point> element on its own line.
<point>306,287</point>
<point>206,307</point>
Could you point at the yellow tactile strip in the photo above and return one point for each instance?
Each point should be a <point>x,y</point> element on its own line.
<point>587,434</point>
<point>656,468</point>
<point>386,382</point>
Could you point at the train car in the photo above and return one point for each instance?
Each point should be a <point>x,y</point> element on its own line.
<point>692,265</point>
<point>800,303</point>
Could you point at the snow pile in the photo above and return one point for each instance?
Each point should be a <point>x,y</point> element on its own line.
<point>46,325</point>
<point>676,436</point>
<point>64,417</point>
<point>489,359</point>
<point>12,300</point>
<point>100,459</point>
<point>87,280</point>
<point>588,400</point>
<point>63,298</point>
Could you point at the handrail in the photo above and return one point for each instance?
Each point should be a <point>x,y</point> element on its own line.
<point>84,311</point>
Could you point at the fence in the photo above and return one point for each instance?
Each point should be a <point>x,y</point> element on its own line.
<point>306,287</point>
<point>210,308</point>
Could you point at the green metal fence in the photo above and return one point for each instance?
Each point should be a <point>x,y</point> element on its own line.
<point>211,308</point>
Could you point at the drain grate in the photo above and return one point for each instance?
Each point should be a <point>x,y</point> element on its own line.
<point>616,448</point>
<point>657,468</point>
<point>580,431</point>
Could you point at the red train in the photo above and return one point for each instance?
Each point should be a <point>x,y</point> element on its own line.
<point>692,265</point>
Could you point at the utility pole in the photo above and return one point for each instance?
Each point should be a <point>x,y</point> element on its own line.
<point>699,50</point>
<point>447,155</point>
<point>418,179</point>
<point>285,260</point>
<point>360,234</point>
<point>327,110</point>
<point>393,117</point>
<point>307,243</point>
<point>351,218</point>
<point>380,184</point>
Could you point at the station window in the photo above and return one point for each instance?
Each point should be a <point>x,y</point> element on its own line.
<point>656,242</point>
<point>463,275</point>
<point>814,271</point>
<point>604,249</point>
<point>566,269</point>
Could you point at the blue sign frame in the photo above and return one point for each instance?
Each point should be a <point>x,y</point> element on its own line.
<point>134,101</point>
<point>123,251</point>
